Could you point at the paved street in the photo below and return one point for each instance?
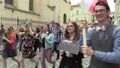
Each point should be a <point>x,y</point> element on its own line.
<point>28,64</point>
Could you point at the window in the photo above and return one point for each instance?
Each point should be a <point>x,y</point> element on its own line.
<point>9,2</point>
<point>69,2</point>
<point>65,1</point>
<point>77,12</point>
<point>64,18</point>
<point>114,0</point>
<point>31,5</point>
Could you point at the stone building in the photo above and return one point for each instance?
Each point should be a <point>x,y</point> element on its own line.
<point>39,11</point>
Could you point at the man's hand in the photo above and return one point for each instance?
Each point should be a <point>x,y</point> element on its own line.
<point>87,50</point>
<point>83,24</point>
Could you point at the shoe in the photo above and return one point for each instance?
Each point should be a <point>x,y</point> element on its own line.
<point>36,66</point>
<point>53,65</point>
<point>19,65</point>
<point>57,58</point>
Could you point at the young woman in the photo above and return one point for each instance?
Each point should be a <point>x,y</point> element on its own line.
<point>70,60</point>
<point>27,46</point>
<point>47,40</point>
<point>9,47</point>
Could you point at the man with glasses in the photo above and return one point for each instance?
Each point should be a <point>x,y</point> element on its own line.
<point>103,41</point>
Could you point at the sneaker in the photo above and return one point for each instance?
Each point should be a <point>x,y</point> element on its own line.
<point>53,65</point>
<point>36,66</point>
<point>57,58</point>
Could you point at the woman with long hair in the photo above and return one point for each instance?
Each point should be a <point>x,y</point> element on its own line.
<point>27,49</point>
<point>47,40</point>
<point>70,60</point>
<point>9,47</point>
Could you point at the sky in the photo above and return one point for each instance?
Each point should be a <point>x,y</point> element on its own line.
<point>110,2</point>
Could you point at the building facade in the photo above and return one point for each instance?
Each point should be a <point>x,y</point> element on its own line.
<point>78,13</point>
<point>55,10</point>
<point>39,11</point>
<point>117,12</point>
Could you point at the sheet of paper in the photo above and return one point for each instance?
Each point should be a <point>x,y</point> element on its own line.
<point>67,45</point>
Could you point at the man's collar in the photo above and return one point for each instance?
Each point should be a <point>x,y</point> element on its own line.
<point>102,28</point>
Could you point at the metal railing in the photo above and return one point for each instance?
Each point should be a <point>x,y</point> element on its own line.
<point>15,21</point>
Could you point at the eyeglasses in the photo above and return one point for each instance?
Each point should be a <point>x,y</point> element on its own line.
<point>101,11</point>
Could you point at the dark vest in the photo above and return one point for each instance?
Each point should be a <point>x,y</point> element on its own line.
<point>104,44</point>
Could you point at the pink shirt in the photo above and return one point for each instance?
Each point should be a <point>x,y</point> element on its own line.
<point>12,39</point>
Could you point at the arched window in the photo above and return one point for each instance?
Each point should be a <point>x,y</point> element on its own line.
<point>64,18</point>
<point>31,5</point>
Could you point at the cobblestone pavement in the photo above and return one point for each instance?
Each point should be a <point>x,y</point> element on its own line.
<point>28,64</point>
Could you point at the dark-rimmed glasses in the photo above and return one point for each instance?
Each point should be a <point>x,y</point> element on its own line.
<point>100,11</point>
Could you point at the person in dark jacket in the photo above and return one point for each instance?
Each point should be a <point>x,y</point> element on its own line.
<point>70,60</point>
